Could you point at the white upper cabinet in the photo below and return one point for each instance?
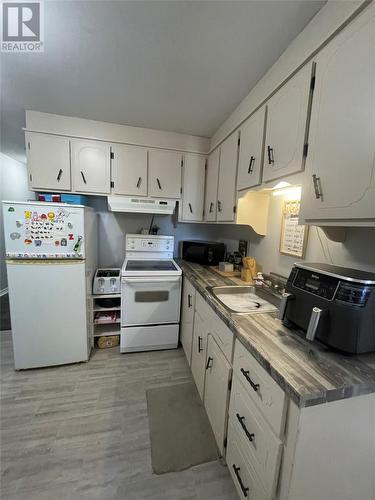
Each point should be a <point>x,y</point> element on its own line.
<point>193,187</point>
<point>129,170</point>
<point>250,159</point>
<point>91,166</point>
<point>226,193</point>
<point>212,177</point>
<point>164,175</point>
<point>287,113</point>
<point>48,162</point>
<point>340,165</point>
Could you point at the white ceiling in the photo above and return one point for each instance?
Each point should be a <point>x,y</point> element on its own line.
<point>174,65</point>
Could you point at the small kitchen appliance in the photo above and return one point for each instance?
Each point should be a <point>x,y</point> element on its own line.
<point>208,253</point>
<point>107,281</point>
<point>150,294</point>
<point>333,304</point>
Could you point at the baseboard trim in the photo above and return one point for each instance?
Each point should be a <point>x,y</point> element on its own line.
<point>4,291</point>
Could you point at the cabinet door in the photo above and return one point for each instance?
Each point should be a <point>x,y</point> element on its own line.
<point>340,165</point>
<point>216,390</point>
<point>198,354</point>
<point>48,161</point>
<point>164,174</point>
<point>193,187</point>
<point>212,176</point>
<point>250,159</point>
<point>226,198</point>
<point>286,127</point>
<point>129,170</point>
<point>187,318</point>
<point>91,166</point>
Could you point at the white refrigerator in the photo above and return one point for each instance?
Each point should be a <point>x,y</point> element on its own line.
<point>51,258</point>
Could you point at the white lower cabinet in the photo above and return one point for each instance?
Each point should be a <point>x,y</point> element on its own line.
<point>198,354</point>
<point>187,318</point>
<point>216,390</point>
<point>244,476</point>
<point>260,446</point>
<point>263,391</point>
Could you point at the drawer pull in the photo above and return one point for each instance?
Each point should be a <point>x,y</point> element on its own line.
<point>245,373</point>
<point>200,344</point>
<point>211,207</point>
<point>159,183</point>
<point>244,489</point>
<point>249,435</point>
<point>139,182</point>
<point>208,362</point>
<point>59,174</point>
<point>189,300</point>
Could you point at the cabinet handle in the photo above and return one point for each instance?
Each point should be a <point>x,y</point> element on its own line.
<point>245,373</point>
<point>219,205</point>
<point>317,187</point>
<point>189,300</point>
<point>158,181</point>
<point>244,489</point>
<point>251,165</point>
<point>271,159</point>
<point>200,349</point>
<point>249,435</point>
<point>59,174</point>
<point>139,182</point>
<point>211,207</point>
<point>208,362</point>
<point>83,177</point>
<point>190,208</point>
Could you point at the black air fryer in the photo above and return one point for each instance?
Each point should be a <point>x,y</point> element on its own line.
<point>333,304</point>
<point>208,253</point>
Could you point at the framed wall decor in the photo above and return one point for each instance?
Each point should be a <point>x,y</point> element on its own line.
<point>293,240</point>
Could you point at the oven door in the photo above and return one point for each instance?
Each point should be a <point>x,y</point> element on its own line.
<point>150,301</point>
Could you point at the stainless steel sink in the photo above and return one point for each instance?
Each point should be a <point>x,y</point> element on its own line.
<point>244,299</point>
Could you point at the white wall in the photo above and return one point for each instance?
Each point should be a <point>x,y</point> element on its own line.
<point>13,186</point>
<point>112,228</point>
<point>358,250</point>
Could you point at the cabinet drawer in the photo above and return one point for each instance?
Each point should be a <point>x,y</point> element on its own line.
<point>221,333</point>
<point>243,474</point>
<point>259,445</point>
<point>262,389</point>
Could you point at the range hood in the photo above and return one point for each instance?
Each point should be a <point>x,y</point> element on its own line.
<point>141,205</point>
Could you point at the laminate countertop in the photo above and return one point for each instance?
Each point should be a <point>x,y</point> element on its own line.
<point>310,373</point>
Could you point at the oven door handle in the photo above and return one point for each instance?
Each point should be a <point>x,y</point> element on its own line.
<point>167,279</point>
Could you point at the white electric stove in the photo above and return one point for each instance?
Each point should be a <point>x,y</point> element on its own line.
<point>150,294</point>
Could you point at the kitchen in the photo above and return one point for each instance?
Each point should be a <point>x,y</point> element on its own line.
<point>127,328</point>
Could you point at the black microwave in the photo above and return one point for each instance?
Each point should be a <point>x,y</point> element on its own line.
<point>208,253</point>
<point>332,304</point>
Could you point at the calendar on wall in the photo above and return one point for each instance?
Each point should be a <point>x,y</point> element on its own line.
<point>293,239</point>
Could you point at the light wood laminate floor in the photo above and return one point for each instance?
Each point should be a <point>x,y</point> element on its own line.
<point>81,431</point>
